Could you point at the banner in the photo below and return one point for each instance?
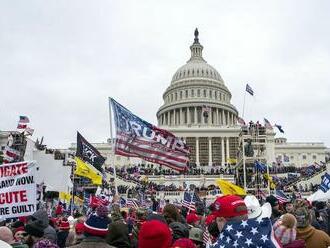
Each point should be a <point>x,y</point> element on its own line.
<point>138,138</point>
<point>18,189</point>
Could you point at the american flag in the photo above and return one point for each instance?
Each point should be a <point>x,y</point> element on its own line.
<point>22,122</point>
<point>250,233</point>
<point>249,89</point>
<point>325,183</point>
<point>138,138</point>
<point>207,237</point>
<point>267,124</point>
<point>131,203</point>
<point>189,200</point>
<point>281,197</point>
<point>10,155</point>
<point>261,195</point>
<point>241,121</point>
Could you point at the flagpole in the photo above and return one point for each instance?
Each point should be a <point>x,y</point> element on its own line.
<point>112,148</point>
<point>243,105</point>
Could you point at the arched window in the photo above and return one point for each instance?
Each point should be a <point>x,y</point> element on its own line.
<point>192,92</point>
<point>186,93</point>
<point>204,93</point>
<point>198,92</point>
<point>176,96</point>
<point>180,95</point>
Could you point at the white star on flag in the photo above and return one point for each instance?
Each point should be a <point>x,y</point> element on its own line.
<point>244,223</point>
<point>228,240</point>
<point>239,234</point>
<point>248,242</point>
<point>264,238</point>
<point>254,230</point>
<point>229,228</point>
<point>235,243</point>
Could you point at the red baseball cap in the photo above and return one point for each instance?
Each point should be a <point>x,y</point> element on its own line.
<point>209,219</point>
<point>192,217</point>
<point>229,206</point>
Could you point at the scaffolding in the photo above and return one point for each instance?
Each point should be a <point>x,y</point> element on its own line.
<point>252,149</point>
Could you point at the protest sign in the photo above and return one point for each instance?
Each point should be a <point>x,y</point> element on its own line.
<point>18,189</point>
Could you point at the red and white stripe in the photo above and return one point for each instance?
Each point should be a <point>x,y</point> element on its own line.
<point>151,151</point>
<point>189,205</point>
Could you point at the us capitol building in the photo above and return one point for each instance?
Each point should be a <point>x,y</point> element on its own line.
<point>197,107</point>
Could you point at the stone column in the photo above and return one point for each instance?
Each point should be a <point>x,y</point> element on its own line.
<point>228,118</point>
<point>168,118</point>
<point>222,151</point>
<point>223,118</point>
<point>188,116</point>
<point>227,149</point>
<point>181,117</point>
<point>209,119</point>
<point>195,113</point>
<point>197,151</point>
<point>217,119</point>
<point>174,117</point>
<point>210,151</point>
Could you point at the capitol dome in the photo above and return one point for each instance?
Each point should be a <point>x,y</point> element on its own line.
<point>197,95</point>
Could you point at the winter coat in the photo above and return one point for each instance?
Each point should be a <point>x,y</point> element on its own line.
<point>118,235</point>
<point>93,242</point>
<point>61,238</point>
<point>313,237</point>
<point>296,244</point>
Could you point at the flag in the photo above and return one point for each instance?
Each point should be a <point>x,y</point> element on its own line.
<point>281,197</point>
<point>260,166</point>
<point>22,122</point>
<point>132,203</point>
<point>247,233</point>
<point>88,153</point>
<point>261,195</point>
<point>206,111</point>
<point>267,124</point>
<point>189,200</point>
<point>10,155</point>
<point>241,121</point>
<point>64,197</point>
<point>23,119</point>
<point>249,89</point>
<point>138,138</point>
<point>207,237</point>
<point>84,169</point>
<point>231,160</point>
<point>279,127</point>
<point>325,183</point>
<point>228,188</point>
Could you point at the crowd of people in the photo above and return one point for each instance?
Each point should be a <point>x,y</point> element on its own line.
<point>229,218</point>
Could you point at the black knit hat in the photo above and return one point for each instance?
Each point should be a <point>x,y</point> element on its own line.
<point>35,228</point>
<point>272,200</point>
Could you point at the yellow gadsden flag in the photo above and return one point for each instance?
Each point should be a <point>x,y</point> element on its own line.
<point>84,169</point>
<point>228,188</point>
<point>65,196</point>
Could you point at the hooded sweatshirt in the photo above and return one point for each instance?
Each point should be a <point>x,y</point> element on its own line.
<point>313,237</point>
<point>49,231</point>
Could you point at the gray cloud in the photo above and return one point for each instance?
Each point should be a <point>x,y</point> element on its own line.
<point>60,60</point>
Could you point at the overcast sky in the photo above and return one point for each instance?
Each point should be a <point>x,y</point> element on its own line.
<point>60,60</point>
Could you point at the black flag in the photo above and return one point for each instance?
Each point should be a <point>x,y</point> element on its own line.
<point>89,153</point>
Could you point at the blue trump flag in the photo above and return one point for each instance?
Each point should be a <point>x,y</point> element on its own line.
<point>250,233</point>
<point>260,166</point>
<point>137,138</point>
<point>325,183</point>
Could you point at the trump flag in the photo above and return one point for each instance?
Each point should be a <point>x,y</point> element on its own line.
<point>137,138</point>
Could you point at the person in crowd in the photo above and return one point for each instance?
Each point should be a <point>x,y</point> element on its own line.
<point>156,234</point>
<point>196,235</point>
<point>6,235</point>
<point>276,213</point>
<point>288,207</point>
<point>313,237</point>
<point>285,231</point>
<point>193,219</point>
<point>35,228</point>
<point>42,217</point>
<point>118,235</point>
<point>171,214</point>
<point>95,230</point>
<point>179,230</point>
<point>184,243</point>
<point>228,208</point>
<point>19,234</point>
<point>63,232</point>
